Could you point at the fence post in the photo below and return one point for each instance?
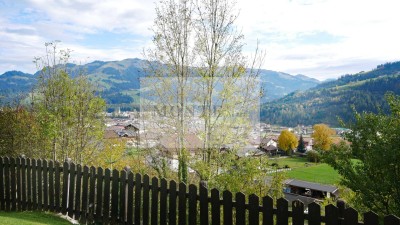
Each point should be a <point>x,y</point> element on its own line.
<point>65,186</point>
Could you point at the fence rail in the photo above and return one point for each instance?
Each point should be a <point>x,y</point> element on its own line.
<point>121,197</point>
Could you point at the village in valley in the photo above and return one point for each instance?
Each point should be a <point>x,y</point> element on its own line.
<point>262,143</point>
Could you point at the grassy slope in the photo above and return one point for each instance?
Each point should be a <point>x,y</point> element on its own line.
<point>31,218</point>
<point>307,171</point>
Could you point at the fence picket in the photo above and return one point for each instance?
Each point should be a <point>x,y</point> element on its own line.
<point>163,202</point>
<point>331,215</point>
<point>240,200</point>
<point>350,216</point>
<point>19,191</point>
<point>203,205</point>
<point>371,218</point>
<point>71,189</point>
<point>122,194</point>
<point>254,215</point>
<point>130,199</point>
<point>23,184</point>
<point>106,202</point>
<point>215,207</point>
<point>13,185</point>
<point>85,189</point>
<point>2,195</point>
<point>99,194</point>
<point>391,220</point>
<point>51,186</point>
<point>182,204</point>
<point>29,183</point>
<point>92,192</point>
<point>298,212</point>
<point>7,187</point>
<point>114,196</point>
<point>282,214</point>
<point>154,201</point>
<point>228,207</point>
<point>314,214</point>
<point>45,185</point>
<point>146,199</point>
<point>65,187</point>
<point>172,203</point>
<point>78,192</point>
<point>268,210</point>
<point>57,188</point>
<point>39,171</point>
<point>192,204</point>
<point>138,197</point>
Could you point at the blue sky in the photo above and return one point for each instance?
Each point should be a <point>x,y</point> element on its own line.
<point>318,38</point>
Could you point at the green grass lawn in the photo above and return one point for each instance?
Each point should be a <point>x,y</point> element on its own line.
<point>31,218</point>
<point>307,171</point>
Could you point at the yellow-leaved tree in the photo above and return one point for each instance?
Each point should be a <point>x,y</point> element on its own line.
<point>322,137</point>
<point>287,141</point>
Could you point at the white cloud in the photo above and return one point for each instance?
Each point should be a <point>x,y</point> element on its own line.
<point>321,38</point>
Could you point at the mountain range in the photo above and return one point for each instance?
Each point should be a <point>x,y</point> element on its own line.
<point>336,100</point>
<point>119,81</point>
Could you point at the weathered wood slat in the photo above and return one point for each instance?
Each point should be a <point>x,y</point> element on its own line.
<point>92,194</point>
<point>23,184</point>
<point>267,211</point>
<point>39,170</point>
<point>172,203</point>
<point>106,203</point>
<point>314,214</point>
<point>154,201</point>
<point>45,186</point>
<point>254,215</point>
<point>122,195</point>
<point>298,212</point>
<point>282,209</point>
<point>57,188</point>
<point>29,183</point>
<point>7,187</point>
<point>240,209</point>
<point>99,194</point>
<point>146,199</point>
<point>331,215</point>
<point>71,189</point>
<point>138,198</point>
<point>114,197</point>
<point>64,202</point>
<point>51,186</point>
<point>391,220</point>
<point>215,207</point>
<point>193,204</point>
<point>2,194</point>
<point>227,207</point>
<point>163,202</point>
<point>130,198</point>
<point>371,218</point>
<point>85,189</point>
<point>350,216</point>
<point>19,191</point>
<point>182,204</point>
<point>13,185</point>
<point>78,192</point>
<point>203,205</point>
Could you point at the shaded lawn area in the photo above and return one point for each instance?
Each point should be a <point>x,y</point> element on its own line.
<point>31,218</point>
<point>307,171</point>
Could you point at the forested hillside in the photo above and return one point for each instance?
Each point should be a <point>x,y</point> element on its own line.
<point>329,101</point>
<point>118,82</point>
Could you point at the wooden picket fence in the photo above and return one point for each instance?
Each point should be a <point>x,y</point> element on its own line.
<point>93,195</point>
